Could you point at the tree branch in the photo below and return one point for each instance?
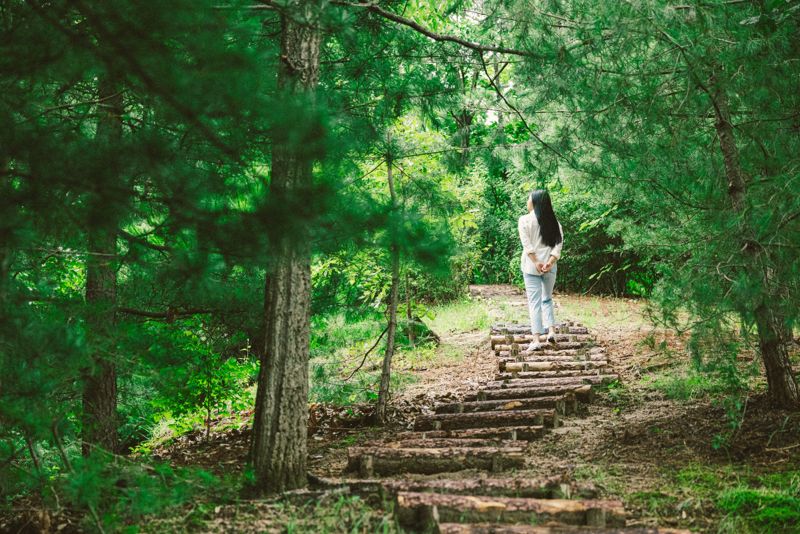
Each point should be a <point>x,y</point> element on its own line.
<point>438,36</point>
<point>135,69</point>
<point>170,315</point>
<point>144,242</point>
<point>367,354</point>
<point>519,114</point>
<point>394,17</point>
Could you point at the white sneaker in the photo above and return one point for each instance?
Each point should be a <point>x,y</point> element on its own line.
<point>534,346</point>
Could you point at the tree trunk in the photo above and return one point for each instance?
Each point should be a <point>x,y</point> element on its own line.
<point>464,123</point>
<point>386,371</point>
<point>280,425</point>
<point>781,383</point>
<point>5,240</point>
<point>99,420</point>
<point>782,386</point>
<point>410,323</point>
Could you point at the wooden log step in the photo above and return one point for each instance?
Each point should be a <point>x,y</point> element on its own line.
<point>587,352</point>
<point>554,366</point>
<point>578,330</point>
<point>563,404</point>
<point>554,359</point>
<point>490,528</point>
<point>525,330</point>
<point>527,338</point>
<point>583,393</point>
<point>571,355</point>
<point>522,433</point>
<point>555,487</point>
<point>371,461</point>
<point>544,352</point>
<point>442,443</point>
<point>499,326</point>
<point>425,510</point>
<point>553,374</point>
<point>580,356</point>
<point>576,373</point>
<point>554,347</point>
<point>450,421</point>
<point>556,381</point>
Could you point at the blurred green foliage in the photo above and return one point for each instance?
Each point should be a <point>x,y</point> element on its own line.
<point>610,111</point>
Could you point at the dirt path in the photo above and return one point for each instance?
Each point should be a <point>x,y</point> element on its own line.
<point>656,453</point>
<point>483,460</point>
<point>632,447</point>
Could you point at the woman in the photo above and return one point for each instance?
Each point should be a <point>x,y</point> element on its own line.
<point>542,238</point>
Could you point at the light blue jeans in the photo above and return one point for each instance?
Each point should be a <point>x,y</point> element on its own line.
<point>539,289</point>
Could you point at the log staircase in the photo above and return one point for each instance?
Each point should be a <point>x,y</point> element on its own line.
<point>489,431</point>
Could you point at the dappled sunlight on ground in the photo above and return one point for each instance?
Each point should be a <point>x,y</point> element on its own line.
<point>659,439</point>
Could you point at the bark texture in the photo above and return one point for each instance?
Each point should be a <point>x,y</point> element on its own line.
<point>554,487</point>
<point>583,393</point>
<point>550,374</point>
<point>99,398</point>
<point>559,403</point>
<point>782,386</point>
<point>505,360</point>
<point>442,443</point>
<point>517,329</point>
<point>452,421</point>
<point>527,338</point>
<point>420,510</point>
<point>279,442</point>
<point>512,433</point>
<point>515,367</point>
<point>491,528</point>
<point>511,383</point>
<point>371,461</point>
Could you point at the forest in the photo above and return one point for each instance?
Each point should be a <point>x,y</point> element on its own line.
<point>250,249</point>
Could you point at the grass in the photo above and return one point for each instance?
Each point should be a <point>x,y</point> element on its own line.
<point>684,385</point>
<point>656,503</point>
<point>332,514</point>
<point>461,316</point>
<point>339,343</point>
<point>592,311</point>
<point>731,499</point>
<point>607,478</point>
<point>618,395</point>
<point>599,311</point>
<point>747,502</point>
<point>345,514</point>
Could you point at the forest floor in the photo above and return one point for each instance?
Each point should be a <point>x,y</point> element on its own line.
<point>660,440</point>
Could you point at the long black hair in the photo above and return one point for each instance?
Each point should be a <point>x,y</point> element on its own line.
<point>548,224</point>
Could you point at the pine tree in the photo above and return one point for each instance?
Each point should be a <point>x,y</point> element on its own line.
<point>685,113</point>
<point>281,415</point>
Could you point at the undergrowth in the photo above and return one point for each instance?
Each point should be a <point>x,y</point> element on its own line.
<point>347,350</point>
<point>747,502</point>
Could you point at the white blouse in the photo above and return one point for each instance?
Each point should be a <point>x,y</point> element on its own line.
<point>531,238</point>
